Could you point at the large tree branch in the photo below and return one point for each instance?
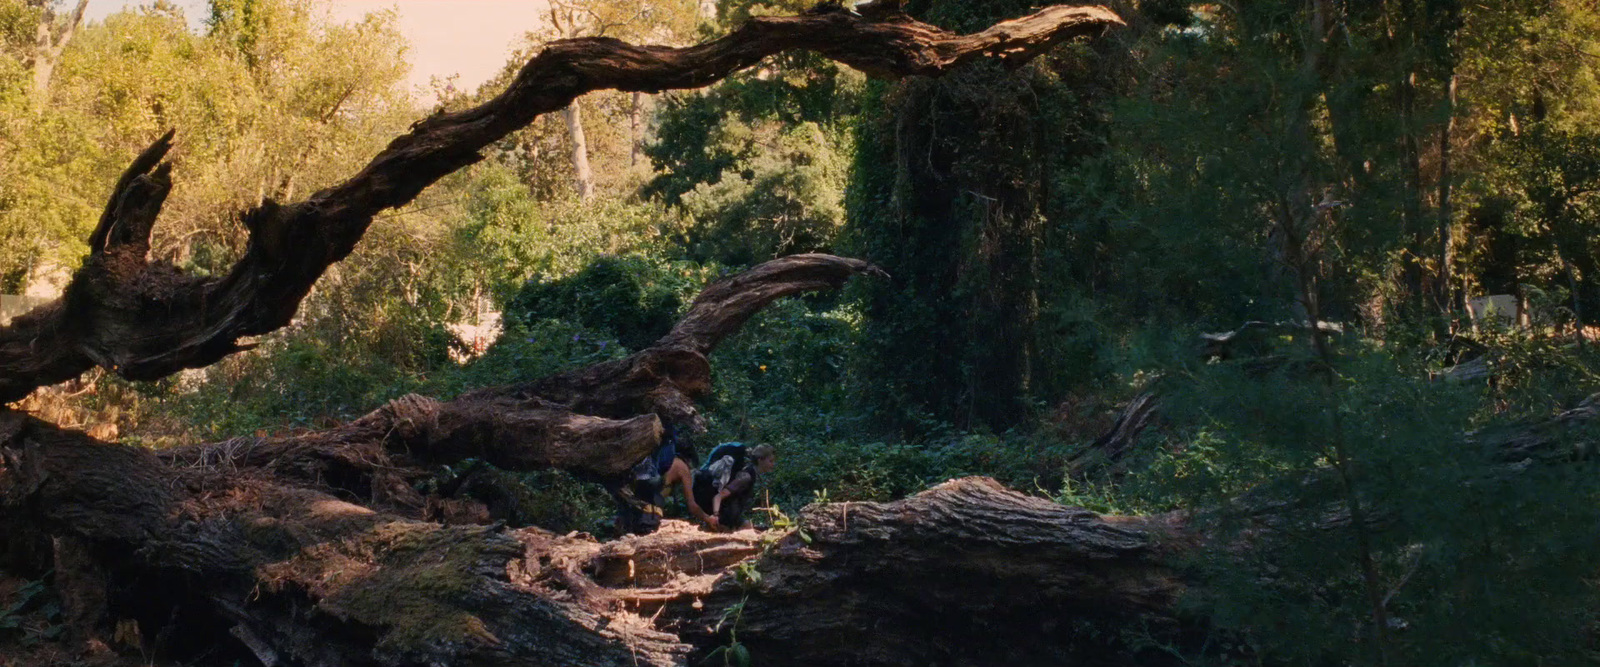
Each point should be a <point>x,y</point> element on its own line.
<point>596,421</point>
<point>146,320</point>
<point>724,306</point>
<point>669,376</point>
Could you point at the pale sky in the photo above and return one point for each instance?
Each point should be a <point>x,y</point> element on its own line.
<point>471,38</point>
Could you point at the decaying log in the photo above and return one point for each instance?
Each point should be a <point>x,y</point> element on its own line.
<point>1574,434</point>
<point>314,580</point>
<point>257,568</point>
<point>145,320</point>
<point>966,573</point>
<point>1256,333</point>
<point>1111,447</point>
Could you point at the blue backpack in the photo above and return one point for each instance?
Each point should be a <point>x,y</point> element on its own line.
<point>734,449</point>
<point>726,460</point>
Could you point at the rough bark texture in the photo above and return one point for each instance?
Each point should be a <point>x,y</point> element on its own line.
<point>251,566</point>
<point>1106,453</point>
<point>967,573</point>
<point>145,320</point>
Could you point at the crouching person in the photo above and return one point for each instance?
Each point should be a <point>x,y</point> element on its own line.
<point>641,495</point>
<point>725,486</point>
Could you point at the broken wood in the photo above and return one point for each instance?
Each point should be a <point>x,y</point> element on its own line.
<point>1108,450</point>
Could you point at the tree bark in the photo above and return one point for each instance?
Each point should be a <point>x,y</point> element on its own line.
<point>966,574</point>
<point>635,128</point>
<point>1445,290</point>
<point>581,174</point>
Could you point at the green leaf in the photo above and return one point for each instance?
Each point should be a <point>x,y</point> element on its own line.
<point>738,656</point>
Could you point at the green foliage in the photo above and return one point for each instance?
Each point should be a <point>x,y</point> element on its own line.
<point>32,614</point>
<point>273,127</point>
<point>507,236</point>
<point>300,380</point>
<point>779,196</point>
<point>634,299</point>
<point>759,162</point>
<point>1478,556</point>
<point>529,351</point>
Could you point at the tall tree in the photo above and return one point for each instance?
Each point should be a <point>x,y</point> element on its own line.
<point>952,191</point>
<point>656,21</point>
<point>50,41</point>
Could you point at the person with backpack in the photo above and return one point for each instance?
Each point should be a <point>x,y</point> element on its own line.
<point>680,473</point>
<point>641,497</point>
<point>725,485</point>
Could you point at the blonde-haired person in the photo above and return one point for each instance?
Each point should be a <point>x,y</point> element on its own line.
<point>725,487</point>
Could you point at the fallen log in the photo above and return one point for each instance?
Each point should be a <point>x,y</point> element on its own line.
<point>595,421</point>
<point>252,567</point>
<point>1109,450</point>
<point>278,574</point>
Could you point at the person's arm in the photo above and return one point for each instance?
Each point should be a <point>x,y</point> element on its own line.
<point>685,479</point>
<point>739,484</point>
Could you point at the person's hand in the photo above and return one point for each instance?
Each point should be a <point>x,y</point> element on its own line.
<point>712,521</point>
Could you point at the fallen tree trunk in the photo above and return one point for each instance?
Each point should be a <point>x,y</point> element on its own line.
<point>965,573</point>
<point>248,564</point>
<point>595,421</point>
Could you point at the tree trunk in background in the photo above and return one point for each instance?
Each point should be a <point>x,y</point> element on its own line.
<point>962,231</point>
<point>1445,291</point>
<point>1296,214</point>
<point>581,173</point>
<point>635,128</point>
<point>1411,166</point>
<point>48,47</point>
